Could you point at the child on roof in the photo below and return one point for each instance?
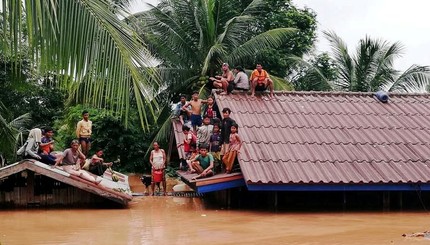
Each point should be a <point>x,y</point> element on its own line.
<point>211,111</point>
<point>215,143</point>
<point>47,146</point>
<point>182,113</point>
<point>203,163</point>
<point>204,132</point>
<point>189,142</point>
<point>233,148</point>
<point>196,110</point>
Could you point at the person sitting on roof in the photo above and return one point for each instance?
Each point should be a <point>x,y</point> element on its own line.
<point>97,165</point>
<point>182,113</point>
<point>203,163</point>
<point>241,79</point>
<point>30,148</point>
<point>225,81</point>
<point>233,148</point>
<point>71,160</point>
<point>260,80</point>
<point>47,146</point>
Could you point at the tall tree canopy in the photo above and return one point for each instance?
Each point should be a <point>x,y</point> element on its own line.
<point>193,38</point>
<point>283,13</point>
<point>96,55</point>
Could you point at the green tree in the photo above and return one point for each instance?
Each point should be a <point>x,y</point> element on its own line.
<point>97,57</point>
<point>316,74</point>
<point>283,13</point>
<point>10,130</point>
<point>192,38</point>
<point>371,67</point>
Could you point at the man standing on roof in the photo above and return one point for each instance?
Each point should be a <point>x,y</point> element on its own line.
<point>260,80</point>
<point>84,131</point>
<point>225,81</point>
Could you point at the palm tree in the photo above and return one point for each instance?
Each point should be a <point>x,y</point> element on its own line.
<point>371,68</point>
<point>191,39</point>
<point>10,130</point>
<point>96,54</point>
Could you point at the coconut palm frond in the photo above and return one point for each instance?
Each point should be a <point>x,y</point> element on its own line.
<point>415,79</point>
<point>313,73</point>
<point>164,131</point>
<point>271,38</point>
<point>344,62</point>
<point>87,42</point>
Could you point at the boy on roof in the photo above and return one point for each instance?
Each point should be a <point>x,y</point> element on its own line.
<point>203,163</point>
<point>196,110</point>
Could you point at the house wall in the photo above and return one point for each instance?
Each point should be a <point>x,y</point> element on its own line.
<point>27,189</point>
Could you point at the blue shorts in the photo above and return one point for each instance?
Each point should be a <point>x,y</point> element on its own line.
<point>196,120</point>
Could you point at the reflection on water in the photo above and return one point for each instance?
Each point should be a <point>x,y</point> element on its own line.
<point>175,220</point>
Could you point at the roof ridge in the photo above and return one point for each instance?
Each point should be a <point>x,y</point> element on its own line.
<point>374,143</point>
<point>334,127</point>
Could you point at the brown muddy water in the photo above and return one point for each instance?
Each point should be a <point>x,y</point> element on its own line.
<point>178,220</point>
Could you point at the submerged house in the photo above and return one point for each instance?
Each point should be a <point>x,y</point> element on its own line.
<point>330,141</point>
<point>31,183</point>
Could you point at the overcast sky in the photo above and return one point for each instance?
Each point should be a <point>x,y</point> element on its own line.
<point>392,20</point>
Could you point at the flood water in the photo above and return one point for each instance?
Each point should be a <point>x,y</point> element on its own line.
<point>177,220</point>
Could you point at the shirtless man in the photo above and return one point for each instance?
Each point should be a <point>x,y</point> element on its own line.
<point>196,110</point>
<point>260,80</point>
<point>224,80</point>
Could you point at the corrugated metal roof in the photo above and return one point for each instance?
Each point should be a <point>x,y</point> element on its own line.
<point>320,137</point>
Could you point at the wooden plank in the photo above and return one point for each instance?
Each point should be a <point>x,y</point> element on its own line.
<point>218,180</point>
<point>64,195</point>
<point>13,169</point>
<point>84,185</point>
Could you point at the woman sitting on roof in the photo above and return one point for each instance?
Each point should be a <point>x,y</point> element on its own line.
<point>31,146</point>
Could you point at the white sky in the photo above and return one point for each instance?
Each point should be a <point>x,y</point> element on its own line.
<point>392,20</point>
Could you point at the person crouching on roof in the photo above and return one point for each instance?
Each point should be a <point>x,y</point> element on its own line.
<point>203,163</point>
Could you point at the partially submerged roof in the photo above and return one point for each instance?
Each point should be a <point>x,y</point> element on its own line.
<point>219,181</point>
<point>302,138</point>
<point>116,191</point>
